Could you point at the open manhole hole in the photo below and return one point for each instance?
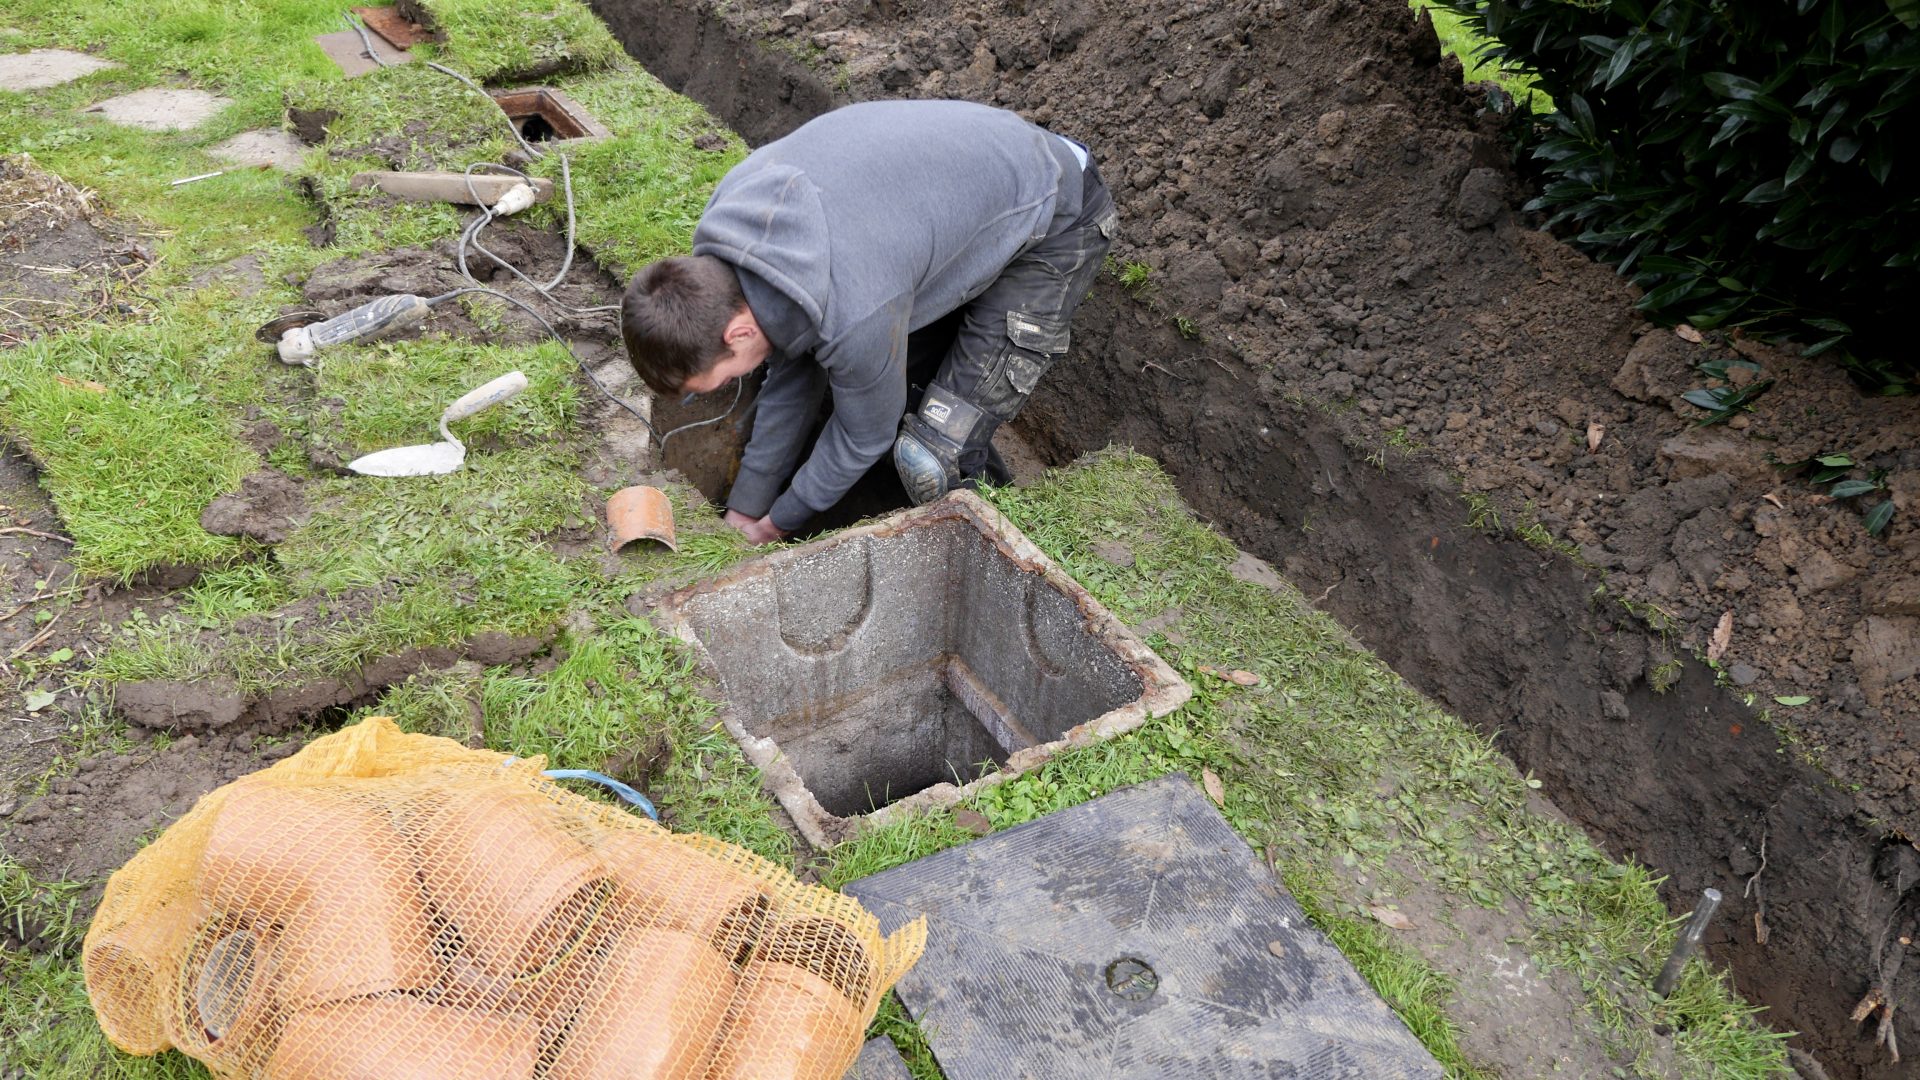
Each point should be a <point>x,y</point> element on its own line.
<point>904,663</point>
<point>542,114</point>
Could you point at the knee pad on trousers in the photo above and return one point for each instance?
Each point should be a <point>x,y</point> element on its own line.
<point>936,441</point>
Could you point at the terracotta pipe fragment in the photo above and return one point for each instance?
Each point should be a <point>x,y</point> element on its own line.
<point>639,513</point>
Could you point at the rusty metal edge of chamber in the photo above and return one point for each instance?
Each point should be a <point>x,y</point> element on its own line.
<point>1162,690</point>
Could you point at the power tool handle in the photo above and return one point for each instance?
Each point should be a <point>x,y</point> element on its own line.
<point>373,317</point>
<point>485,397</point>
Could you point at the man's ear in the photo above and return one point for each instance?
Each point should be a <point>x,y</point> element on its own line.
<point>742,327</point>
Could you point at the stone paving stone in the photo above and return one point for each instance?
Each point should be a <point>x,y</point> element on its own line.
<point>280,149</point>
<point>42,68</point>
<point>345,48</point>
<point>157,109</point>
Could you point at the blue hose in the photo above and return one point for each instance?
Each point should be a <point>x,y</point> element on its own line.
<point>626,793</point>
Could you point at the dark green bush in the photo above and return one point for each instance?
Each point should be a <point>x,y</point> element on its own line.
<point>1740,160</point>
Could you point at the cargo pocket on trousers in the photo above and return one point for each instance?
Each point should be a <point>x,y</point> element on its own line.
<point>1037,344</point>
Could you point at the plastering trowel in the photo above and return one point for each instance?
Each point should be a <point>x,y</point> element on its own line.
<point>447,455</point>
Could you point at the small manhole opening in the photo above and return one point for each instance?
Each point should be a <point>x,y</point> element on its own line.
<point>542,114</point>
<point>1132,978</point>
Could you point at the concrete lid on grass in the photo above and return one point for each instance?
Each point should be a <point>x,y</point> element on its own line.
<point>158,109</point>
<point>43,68</point>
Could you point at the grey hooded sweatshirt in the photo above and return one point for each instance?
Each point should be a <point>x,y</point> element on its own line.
<point>863,225</point>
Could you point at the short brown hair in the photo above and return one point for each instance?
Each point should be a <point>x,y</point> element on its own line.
<point>674,317</point>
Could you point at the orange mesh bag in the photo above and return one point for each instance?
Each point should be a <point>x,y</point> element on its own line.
<point>386,906</point>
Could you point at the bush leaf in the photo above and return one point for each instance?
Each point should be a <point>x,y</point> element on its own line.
<point>1878,517</point>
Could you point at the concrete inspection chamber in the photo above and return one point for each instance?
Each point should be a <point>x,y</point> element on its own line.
<point>907,663</point>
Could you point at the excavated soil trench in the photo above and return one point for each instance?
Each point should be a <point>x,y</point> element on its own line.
<point>1687,781</point>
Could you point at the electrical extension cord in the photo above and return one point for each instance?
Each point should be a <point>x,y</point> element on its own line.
<point>471,237</point>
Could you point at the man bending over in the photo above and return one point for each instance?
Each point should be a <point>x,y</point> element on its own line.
<point>918,262</point>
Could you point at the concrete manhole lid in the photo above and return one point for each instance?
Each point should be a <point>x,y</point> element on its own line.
<point>155,109</point>
<point>1131,936</point>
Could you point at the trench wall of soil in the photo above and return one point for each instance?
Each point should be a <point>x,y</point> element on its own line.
<point>1687,781</point>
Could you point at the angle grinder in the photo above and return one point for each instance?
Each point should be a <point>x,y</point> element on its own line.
<point>298,335</point>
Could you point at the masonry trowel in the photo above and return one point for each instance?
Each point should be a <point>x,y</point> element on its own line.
<point>447,455</point>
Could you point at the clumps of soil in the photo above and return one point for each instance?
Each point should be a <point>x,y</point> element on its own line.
<point>61,256</point>
<point>433,271</point>
<point>268,507</point>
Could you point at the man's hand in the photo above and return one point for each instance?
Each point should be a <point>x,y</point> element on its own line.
<point>757,530</point>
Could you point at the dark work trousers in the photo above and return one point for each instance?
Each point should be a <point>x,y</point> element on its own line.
<point>991,352</point>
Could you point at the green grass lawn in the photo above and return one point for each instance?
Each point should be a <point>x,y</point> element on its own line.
<point>1302,756</point>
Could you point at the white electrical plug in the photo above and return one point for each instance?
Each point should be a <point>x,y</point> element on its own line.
<point>517,198</point>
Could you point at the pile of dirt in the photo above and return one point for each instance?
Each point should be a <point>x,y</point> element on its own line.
<point>1374,330</point>
<point>268,507</point>
<point>61,256</point>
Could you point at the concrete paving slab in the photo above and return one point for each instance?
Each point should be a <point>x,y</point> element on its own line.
<point>158,109</point>
<point>1134,936</point>
<point>345,48</point>
<point>280,149</point>
<point>42,68</point>
<point>879,1060</point>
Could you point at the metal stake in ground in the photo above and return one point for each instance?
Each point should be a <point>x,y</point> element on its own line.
<point>1688,942</point>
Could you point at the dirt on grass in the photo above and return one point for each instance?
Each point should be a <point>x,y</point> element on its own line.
<point>1346,325</point>
<point>94,819</point>
<point>51,623</point>
<point>61,256</point>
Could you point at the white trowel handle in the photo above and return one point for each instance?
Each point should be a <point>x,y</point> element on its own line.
<point>483,397</point>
